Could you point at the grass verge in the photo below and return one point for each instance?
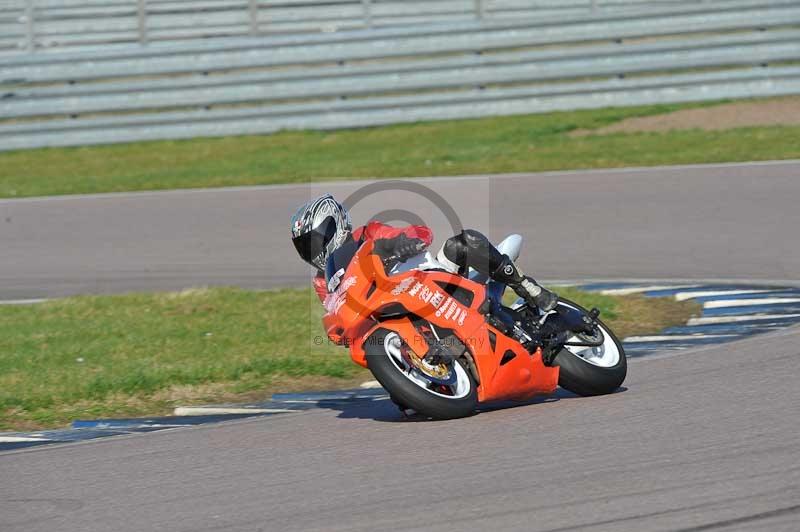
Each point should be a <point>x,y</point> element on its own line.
<point>492,145</point>
<point>142,354</point>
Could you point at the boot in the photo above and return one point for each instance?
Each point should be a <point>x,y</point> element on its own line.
<point>525,286</point>
<point>471,249</point>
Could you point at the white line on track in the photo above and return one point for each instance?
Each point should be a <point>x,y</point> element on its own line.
<point>724,303</point>
<point>21,301</point>
<point>708,320</point>
<point>19,439</point>
<point>676,337</point>
<point>219,411</point>
<point>639,289</point>
<point>683,296</point>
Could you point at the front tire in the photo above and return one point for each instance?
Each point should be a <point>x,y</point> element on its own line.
<point>592,371</point>
<point>409,391</point>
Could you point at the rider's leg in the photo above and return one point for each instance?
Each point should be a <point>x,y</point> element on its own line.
<point>472,249</point>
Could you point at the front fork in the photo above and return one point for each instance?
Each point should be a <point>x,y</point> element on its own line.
<point>572,322</point>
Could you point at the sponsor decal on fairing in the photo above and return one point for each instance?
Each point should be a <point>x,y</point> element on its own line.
<point>337,297</point>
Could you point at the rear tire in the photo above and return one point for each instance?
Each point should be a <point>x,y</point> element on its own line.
<point>407,393</point>
<point>587,379</point>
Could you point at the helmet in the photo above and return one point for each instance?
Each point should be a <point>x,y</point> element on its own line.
<point>319,228</point>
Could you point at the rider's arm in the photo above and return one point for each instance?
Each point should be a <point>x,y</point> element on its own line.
<point>386,237</point>
<point>380,231</point>
<point>396,242</point>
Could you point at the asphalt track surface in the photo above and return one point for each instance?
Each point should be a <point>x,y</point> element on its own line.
<point>715,222</point>
<point>706,439</point>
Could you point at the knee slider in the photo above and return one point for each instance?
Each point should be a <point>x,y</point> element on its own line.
<point>455,250</point>
<point>476,240</point>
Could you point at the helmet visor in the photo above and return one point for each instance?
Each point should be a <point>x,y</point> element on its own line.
<point>311,246</point>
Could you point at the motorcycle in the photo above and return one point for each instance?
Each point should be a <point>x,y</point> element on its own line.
<point>441,343</point>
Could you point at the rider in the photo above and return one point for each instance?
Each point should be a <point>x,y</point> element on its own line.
<point>321,226</point>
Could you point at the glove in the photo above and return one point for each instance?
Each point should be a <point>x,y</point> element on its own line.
<point>399,248</point>
<point>407,247</point>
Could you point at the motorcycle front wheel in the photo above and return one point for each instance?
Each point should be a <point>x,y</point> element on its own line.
<point>439,392</point>
<point>592,370</point>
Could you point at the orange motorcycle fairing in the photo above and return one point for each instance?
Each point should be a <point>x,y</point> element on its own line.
<point>364,298</point>
<point>508,371</point>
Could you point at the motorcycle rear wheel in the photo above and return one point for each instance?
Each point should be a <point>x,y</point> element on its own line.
<point>592,371</point>
<point>410,390</point>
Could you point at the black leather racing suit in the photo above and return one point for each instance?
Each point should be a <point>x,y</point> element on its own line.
<point>471,249</point>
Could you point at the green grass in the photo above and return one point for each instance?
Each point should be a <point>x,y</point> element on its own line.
<point>492,145</point>
<point>142,354</point>
<point>129,354</point>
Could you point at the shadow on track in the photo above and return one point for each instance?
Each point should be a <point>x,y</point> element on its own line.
<point>384,410</point>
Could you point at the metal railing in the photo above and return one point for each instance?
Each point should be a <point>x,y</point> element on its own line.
<point>246,85</point>
<point>32,25</point>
